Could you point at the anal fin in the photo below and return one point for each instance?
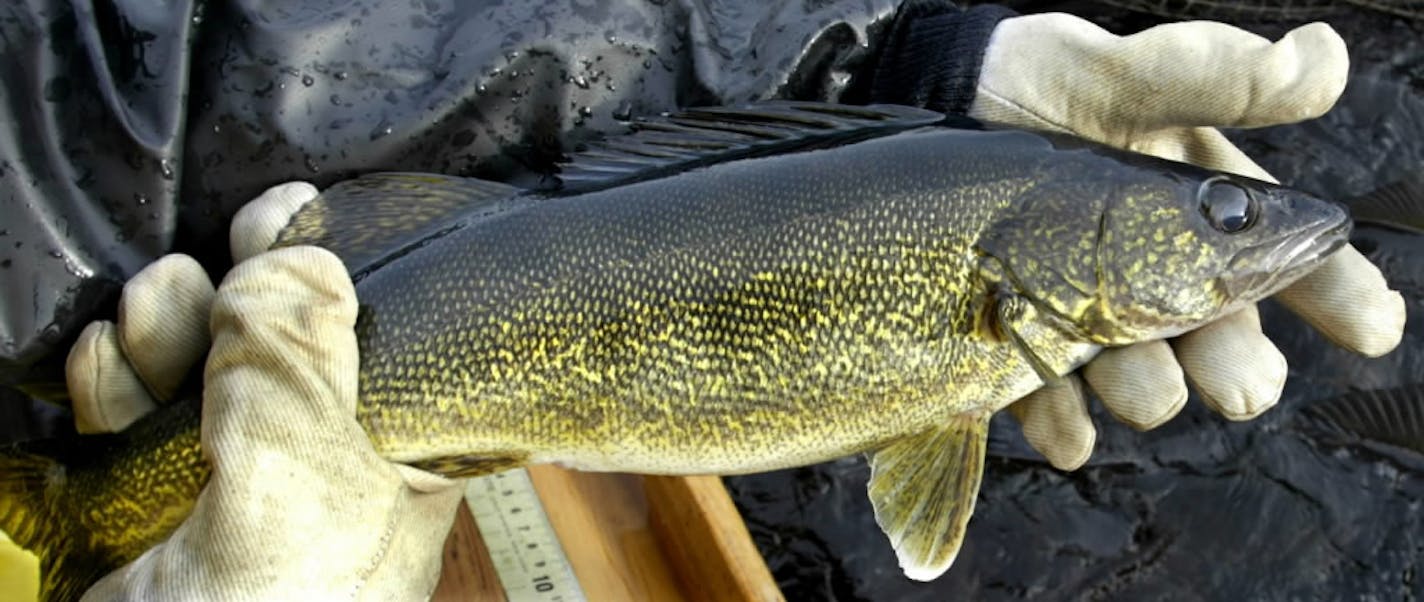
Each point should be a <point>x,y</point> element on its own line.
<point>376,216</point>
<point>923,489</point>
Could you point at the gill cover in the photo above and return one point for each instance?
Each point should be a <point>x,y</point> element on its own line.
<point>1048,246</point>
<point>1123,248</point>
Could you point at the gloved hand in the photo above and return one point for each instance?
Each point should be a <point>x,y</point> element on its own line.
<point>299,505</point>
<point>1163,92</point>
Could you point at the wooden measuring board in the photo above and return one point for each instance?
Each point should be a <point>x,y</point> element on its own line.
<point>623,537</point>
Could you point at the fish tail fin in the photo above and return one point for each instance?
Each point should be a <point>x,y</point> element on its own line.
<point>24,479</point>
<point>87,505</point>
<point>31,482</point>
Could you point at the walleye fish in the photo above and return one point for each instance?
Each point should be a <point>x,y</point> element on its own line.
<point>723,291</point>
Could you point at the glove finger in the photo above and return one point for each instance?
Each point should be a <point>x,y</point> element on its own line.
<point>104,391</point>
<point>282,380</point>
<point>1055,422</point>
<point>1170,76</point>
<point>1348,301</point>
<point>1236,369</point>
<point>1211,74</point>
<point>282,330</point>
<point>163,322</point>
<point>256,225</point>
<point>279,399</point>
<point>1142,384</point>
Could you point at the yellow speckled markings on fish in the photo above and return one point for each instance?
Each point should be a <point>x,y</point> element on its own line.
<point>744,289</point>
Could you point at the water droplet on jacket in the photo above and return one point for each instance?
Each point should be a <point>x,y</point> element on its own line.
<point>140,199</point>
<point>624,112</point>
<point>612,39</point>
<point>165,168</point>
<point>217,129</point>
<point>311,165</point>
<point>308,80</point>
<point>341,75</point>
<point>336,100</point>
<point>647,64</point>
<point>581,82</point>
<point>382,130</point>
<point>481,88</point>
<point>56,254</point>
<point>585,112</point>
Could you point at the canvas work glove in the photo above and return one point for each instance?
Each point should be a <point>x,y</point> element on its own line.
<point>1163,92</point>
<point>299,505</point>
<point>116,375</point>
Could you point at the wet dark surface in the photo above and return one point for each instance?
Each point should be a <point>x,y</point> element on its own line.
<point>130,129</point>
<point>1285,507</point>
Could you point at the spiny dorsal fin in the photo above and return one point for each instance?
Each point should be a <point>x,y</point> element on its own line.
<point>1397,205</point>
<point>923,489</point>
<point>1390,416</point>
<point>375,216</point>
<point>703,136</point>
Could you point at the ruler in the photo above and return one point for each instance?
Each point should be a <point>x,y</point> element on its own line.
<point>526,552</point>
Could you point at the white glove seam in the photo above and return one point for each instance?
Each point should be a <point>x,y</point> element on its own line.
<point>383,545</point>
<point>1050,125</point>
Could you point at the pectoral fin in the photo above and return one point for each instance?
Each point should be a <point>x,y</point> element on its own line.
<point>1398,205</point>
<point>1390,416</point>
<point>923,489</point>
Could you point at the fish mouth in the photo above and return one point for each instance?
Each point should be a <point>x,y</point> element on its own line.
<point>1261,270</point>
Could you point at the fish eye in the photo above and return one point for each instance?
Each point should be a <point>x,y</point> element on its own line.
<point>1228,206</point>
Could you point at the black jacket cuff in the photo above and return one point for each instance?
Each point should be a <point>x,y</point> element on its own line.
<point>932,55</point>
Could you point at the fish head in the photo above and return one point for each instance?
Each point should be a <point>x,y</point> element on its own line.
<point>1153,249</point>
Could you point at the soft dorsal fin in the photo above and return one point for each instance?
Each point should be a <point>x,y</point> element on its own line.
<point>695,137</point>
<point>374,217</point>
<point>923,489</point>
